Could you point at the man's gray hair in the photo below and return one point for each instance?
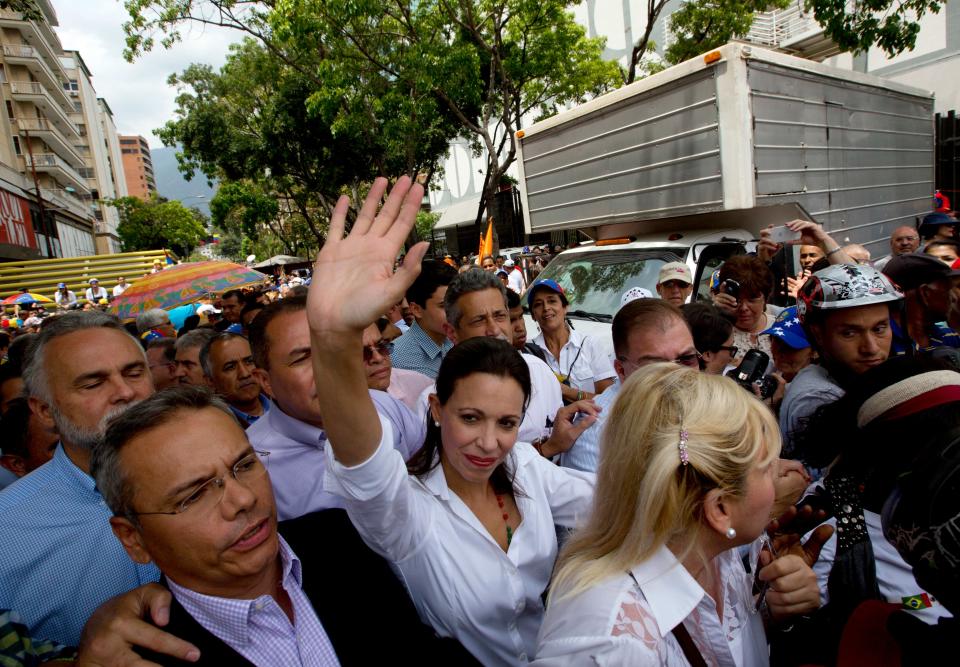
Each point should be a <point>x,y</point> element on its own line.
<point>195,338</point>
<point>35,372</point>
<point>150,413</point>
<point>149,319</point>
<point>223,336</point>
<point>474,280</point>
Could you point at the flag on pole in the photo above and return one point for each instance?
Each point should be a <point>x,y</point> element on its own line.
<point>486,244</point>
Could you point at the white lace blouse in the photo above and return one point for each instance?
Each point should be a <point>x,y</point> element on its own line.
<point>627,620</point>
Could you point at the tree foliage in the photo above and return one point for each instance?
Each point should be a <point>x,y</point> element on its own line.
<point>400,78</point>
<point>27,8</point>
<point>700,26</point>
<point>156,224</point>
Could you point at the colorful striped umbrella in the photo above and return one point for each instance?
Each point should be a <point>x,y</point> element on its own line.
<point>181,284</point>
<point>25,298</point>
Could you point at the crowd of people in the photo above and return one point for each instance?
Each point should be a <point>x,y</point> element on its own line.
<point>387,465</point>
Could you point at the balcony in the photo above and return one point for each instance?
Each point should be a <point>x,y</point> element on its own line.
<point>58,168</point>
<point>39,96</point>
<point>37,35</point>
<point>794,31</point>
<point>29,57</point>
<point>66,201</point>
<point>42,128</point>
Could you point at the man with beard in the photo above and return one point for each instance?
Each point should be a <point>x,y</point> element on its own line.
<point>58,558</point>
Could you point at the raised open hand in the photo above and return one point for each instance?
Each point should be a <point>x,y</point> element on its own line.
<point>353,278</point>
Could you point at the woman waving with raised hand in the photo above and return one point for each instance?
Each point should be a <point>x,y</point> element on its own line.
<point>468,525</point>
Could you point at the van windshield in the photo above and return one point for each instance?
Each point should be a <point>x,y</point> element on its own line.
<point>595,281</point>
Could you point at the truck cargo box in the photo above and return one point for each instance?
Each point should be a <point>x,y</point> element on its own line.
<point>739,128</point>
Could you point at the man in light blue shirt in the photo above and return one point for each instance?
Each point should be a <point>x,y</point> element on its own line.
<point>644,331</point>
<point>422,347</point>
<point>59,559</point>
<point>292,430</point>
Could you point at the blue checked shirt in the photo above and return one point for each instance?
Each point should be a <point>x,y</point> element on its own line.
<point>258,629</point>
<point>59,559</point>
<point>416,351</point>
<point>585,453</point>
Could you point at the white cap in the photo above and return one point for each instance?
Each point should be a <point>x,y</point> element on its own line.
<point>509,262</point>
<point>633,294</point>
<point>94,280</point>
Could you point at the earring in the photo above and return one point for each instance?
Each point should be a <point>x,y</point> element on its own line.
<point>731,533</point>
<point>436,423</point>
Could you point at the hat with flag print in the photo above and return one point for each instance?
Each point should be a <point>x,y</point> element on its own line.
<point>788,329</point>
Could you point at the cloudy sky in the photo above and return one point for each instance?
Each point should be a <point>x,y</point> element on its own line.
<point>138,93</point>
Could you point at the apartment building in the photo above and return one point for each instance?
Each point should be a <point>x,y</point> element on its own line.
<point>57,156</point>
<point>137,167</point>
<point>94,121</point>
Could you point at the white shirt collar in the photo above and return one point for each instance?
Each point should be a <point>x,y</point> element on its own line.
<point>669,589</point>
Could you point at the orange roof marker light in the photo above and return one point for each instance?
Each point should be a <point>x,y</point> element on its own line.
<point>521,134</point>
<point>619,241</point>
<point>712,57</point>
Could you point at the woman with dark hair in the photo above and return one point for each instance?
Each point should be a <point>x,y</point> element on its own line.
<point>746,284</point>
<point>469,525</point>
<point>712,336</point>
<point>869,438</point>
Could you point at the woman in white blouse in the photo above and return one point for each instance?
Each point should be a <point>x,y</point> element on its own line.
<point>470,528</point>
<point>686,475</point>
<point>580,363</point>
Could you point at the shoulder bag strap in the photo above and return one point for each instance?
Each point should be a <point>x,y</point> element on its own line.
<point>690,651</point>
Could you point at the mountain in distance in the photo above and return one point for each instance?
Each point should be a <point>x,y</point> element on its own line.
<point>172,185</point>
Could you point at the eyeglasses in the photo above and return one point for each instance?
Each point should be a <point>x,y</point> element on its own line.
<point>383,348</point>
<point>691,360</point>
<point>732,349</point>
<point>206,497</point>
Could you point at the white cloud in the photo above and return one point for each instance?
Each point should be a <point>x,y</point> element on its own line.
<point>137,93</point>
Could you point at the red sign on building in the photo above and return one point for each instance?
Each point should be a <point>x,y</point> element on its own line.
<point>15,225</point>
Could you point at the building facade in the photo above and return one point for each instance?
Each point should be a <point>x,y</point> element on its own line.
<point>137,167</point>
<point>54,151</point>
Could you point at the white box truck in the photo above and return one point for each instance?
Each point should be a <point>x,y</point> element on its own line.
<point>691,162</point>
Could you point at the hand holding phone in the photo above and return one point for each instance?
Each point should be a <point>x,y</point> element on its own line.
<point>783,234</point>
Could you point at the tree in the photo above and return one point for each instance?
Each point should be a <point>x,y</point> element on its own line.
<point>698,27</point>
<point>485,65</point>
<point>27,8</point>
<point>297,137</point>
<point>156,224</point>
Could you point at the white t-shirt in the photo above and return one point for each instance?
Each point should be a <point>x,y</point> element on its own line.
<point>582,360</point>
<point>120,289</point>
<point>95,295</point>
<point>515,281</point>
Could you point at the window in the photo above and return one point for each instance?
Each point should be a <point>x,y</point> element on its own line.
<point>77,107</point>
<point>3,74</point>
<point>9,109</point>
<point>16,146</point>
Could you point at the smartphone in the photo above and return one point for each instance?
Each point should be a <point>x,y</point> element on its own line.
<point>783,234</point>
<point>732,287</point>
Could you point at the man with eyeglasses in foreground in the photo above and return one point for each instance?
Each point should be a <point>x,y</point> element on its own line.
<point>292,429</point>
<point>189,494</point>
<point>404,385</point>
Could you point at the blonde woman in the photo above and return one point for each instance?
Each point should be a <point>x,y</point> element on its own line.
<point>686,475</point>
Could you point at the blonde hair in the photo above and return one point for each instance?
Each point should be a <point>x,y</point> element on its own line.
<point>645,497</point>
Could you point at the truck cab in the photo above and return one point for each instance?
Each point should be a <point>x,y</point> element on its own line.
<point>595,276</point>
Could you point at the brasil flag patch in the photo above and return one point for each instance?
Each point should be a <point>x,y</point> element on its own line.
<point>917,602</point>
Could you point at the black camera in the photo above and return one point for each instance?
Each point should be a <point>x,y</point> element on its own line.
<point>732,287</point>
<point>750,373</point>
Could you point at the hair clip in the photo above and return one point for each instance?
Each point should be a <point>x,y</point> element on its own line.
<point>684,456</point>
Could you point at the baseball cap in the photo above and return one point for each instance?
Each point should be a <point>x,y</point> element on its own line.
<point>547,284</point>
<point>61,285</point>
<point>501,272</point>
<point>508,262</point>
<point>675,271</point>
<point>788,329</point>
<point>94,280</point>
<point>914,269</point>
<point>633,294</point>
